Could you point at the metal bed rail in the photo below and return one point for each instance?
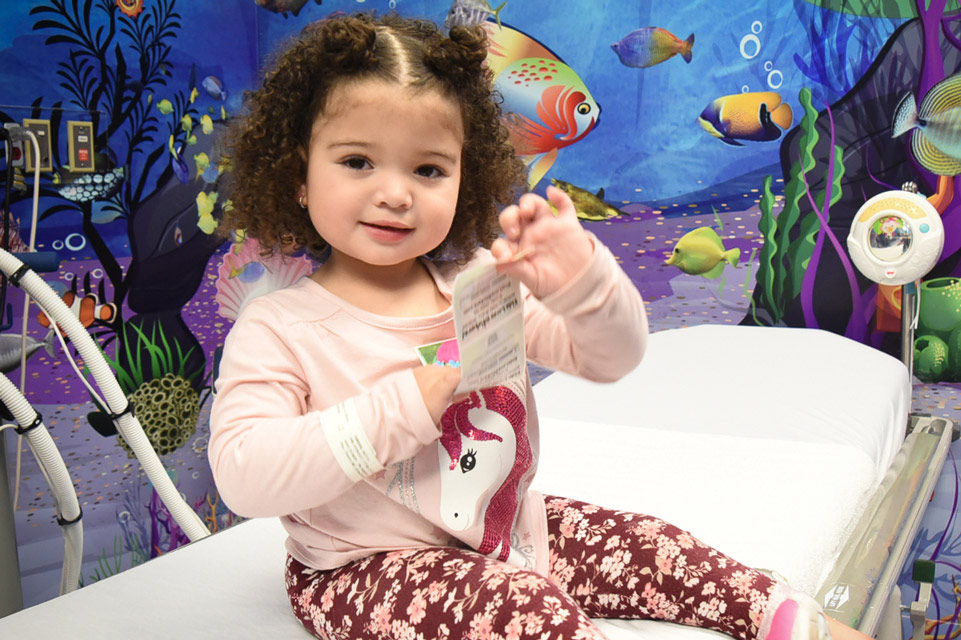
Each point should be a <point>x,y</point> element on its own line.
<point>859,587</point>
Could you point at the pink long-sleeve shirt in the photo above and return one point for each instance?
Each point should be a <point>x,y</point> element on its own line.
<point>299,351</point>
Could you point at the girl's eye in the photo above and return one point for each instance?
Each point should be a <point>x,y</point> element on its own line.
<point>429,171</point>
<point>356,163</point>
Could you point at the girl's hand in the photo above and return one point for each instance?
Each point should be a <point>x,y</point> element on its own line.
<point>551,249</point>
<point>437,386</point>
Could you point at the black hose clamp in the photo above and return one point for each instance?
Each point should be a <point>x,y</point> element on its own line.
<point>128,409</point>
<point>37,421</point>
<point>17,275</point>
<point>64,523</point>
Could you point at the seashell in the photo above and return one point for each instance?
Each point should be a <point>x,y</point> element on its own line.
<point>244,275</point>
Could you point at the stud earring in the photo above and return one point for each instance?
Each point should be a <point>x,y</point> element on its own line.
<point>301,200</point>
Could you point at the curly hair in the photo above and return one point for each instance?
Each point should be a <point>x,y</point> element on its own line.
<point>266,149</point>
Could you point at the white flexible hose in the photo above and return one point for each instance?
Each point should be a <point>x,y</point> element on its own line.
<point>128,425</point>
<point>26,298</point>
<point>55,471</point>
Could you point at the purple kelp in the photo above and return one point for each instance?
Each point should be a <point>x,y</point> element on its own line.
<point>793,244</point>
<point>836,36</point>
<point>831,195</point>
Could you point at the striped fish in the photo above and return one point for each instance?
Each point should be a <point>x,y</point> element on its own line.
<point>937,142</point>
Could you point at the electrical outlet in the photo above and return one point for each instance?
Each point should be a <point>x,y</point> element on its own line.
<point>41,129</point>
<point>80,146</point>
<point>16,144</point>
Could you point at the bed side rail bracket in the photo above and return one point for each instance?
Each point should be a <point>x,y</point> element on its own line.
<point>923,574</point>
<point>914,418</point>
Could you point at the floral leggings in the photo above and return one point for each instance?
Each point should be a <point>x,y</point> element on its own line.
<point>603,564</point>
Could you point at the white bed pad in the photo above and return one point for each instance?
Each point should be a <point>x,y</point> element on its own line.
<point>782,500</point>
<point>759,382</point>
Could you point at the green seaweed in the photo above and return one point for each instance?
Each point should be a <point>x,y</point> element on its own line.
<point>797,253</point>
<point>779,282</point>
<point>766,271</point>
<point>162,358</point>
<point>790,238</point>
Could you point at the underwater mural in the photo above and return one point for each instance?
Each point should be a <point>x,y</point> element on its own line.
<point>721,155</point>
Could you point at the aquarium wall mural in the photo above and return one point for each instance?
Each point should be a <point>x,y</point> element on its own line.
<point>722,155</point>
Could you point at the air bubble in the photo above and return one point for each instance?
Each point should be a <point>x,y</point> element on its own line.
<point>752,41</point>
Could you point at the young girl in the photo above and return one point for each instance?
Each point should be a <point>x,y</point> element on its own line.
<point>377,145</point>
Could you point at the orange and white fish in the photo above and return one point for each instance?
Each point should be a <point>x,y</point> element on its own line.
<point>87,309</point>
<point>546,104</point>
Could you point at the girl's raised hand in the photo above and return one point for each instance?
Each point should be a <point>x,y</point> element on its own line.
<point>541,249</point>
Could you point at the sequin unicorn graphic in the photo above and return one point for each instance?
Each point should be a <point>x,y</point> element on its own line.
<point>484,455</point>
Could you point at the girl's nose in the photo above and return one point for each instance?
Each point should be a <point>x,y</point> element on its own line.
<point>394,192</point>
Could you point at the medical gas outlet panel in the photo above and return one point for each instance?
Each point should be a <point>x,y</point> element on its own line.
<point>80,146</point>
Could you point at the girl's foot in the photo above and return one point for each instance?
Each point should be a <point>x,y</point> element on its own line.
<point>793,615</point>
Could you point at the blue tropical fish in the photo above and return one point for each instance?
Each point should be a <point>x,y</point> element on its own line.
<point>650,46</point>
<point>215,88</point>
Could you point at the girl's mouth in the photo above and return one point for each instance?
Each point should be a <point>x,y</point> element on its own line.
<point>386,233</point>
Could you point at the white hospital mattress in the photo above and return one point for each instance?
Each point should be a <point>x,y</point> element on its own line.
<point>782,499</point>
<point>760,382</point>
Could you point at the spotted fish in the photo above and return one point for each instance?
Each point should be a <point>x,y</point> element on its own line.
<point>546,104</point>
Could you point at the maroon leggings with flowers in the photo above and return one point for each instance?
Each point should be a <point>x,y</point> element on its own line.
<point>603,564</point>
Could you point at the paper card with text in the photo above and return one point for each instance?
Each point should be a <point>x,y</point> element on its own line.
<point>489,328</point>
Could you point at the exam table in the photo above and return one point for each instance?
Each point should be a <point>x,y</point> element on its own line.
<point>784,448</point>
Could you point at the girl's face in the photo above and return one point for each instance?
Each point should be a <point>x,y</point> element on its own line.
<point>383,173</point>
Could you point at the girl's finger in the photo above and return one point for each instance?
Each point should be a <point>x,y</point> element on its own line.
<point>528,206</point>
<point>502,250</point>
<point>510,222</point>
<point>562,201</point>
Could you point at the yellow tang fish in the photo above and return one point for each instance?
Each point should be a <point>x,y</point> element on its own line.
<point>701,253</point>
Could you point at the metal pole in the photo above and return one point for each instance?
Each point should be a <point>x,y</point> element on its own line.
<point>908,302</point>
<point>11,593</point>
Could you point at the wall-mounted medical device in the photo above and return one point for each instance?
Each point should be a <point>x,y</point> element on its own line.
<point>80,146</point>
<point>896,237</point>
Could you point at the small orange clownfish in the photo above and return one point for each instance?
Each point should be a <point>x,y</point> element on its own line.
<point>757,116</point>
<point>87,309</point>
<point>130,8</point>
